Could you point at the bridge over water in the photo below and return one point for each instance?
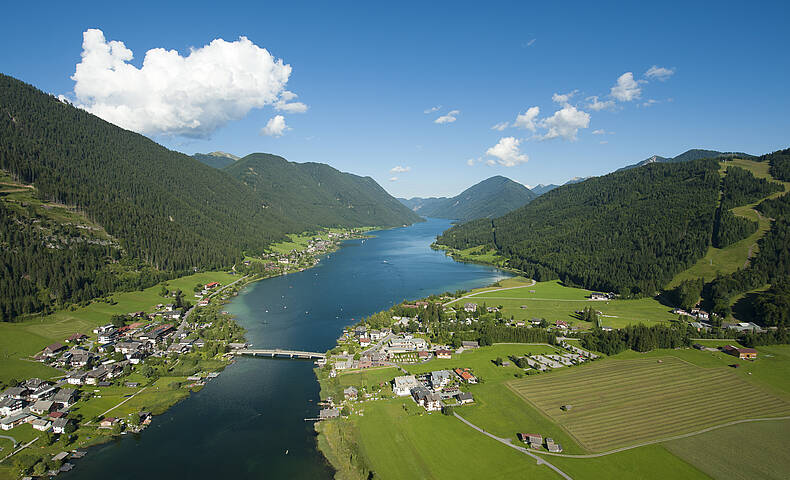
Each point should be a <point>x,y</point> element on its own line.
<point>278,353</point>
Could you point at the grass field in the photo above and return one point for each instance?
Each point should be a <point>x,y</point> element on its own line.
<point>723,453</point>
<point>624,402</point>
<point>652,461</point>
<point>554,301</point>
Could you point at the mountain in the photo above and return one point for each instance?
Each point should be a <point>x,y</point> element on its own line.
<point>490,198</point>
<point>109,209</point>
<point>318,194</point>
<point>687,156</point>
<point>627,232</point>
<point>216,160</point>
<point>540,188</point>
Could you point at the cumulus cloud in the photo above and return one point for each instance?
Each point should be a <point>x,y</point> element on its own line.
<point>400,169</point>
<point>471,162</point>
<point>598,105</point>
<point>659,73</point>
<point>599,132</point>
<point>500,126</point>
<point>626,88</point>
<point>527,119</point>
<point>432,109</point>
<point>190,95</point>
<point>275,127</point>
<point>507,152</point>
<point>284,103</point>
<point>563,98</point>
<point>450,117</point>
<point>649,103</point>
<point>565,123</point>
<point>393,179</point>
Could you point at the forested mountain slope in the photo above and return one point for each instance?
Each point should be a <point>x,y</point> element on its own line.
<point>490,198</point>
<point>318,194</point>
<point>627,232</point>
<point>687,156</point>
<point>217,160</point>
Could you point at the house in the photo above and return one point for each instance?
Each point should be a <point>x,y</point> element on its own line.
<point>465,397</point>
<point>80,358</point>
<point>65,397</point>
<point>467,344</point>
<point>10,406</point>
<point>76,378</point>
<point>11,421</point>
<point>561,324</point>
<point>423,355</point>
<point>552,446</point>
<point>43,392</point>
<point>18,392</point>
<point>53,349</point>
<point>59,425</point>
<point>424,397</point>
<point>402,385</point>
<point>470,307</point>
<point>107,336</point>
<point>327,413</point>
<point>76,338</point>
<point>534,440</point>
<point>599,296</point>
<point>41,424</point>
<point>444,354</point>
<point>211,285</point>
<point>742,353</point>
<point>465,375</point>
<point>375,335</point>
<point>364,341</point>
<point>440,378</point>
<point>42,407</point>
<point>108,422</point>
<point>350,393</point>
<point>492,309</point>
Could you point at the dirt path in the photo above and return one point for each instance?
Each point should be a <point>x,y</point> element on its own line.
<point>489,291</point>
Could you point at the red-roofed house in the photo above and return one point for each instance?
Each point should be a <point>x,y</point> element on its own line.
<point>76,337</point>
<point>441,353</point>
<point>742,353</point>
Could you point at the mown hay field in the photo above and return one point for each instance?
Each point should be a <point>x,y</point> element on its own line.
<point>616,403</point>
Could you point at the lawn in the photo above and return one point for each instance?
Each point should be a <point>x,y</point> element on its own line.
<point>652,461</point>
<point>621,402</point>
<point>723,453</point>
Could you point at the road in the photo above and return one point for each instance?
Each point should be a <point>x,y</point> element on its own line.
<point>488,291</point>
<point>19,449</point>
<point>523,450</point>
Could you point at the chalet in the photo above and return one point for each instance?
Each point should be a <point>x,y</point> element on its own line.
<point>465,375</point>
<point>107,336</point>
<point>76,338</point>
<point>364,342</point>
<point>360,331</point>
<point>423,355</point>
<point>59,425</point>
<point>96,375</point>
<point>444,354</point>
<point>375,335</point>
<point>211,285</point>
<point>10,406</point>
<point>470,307</point>
<point>41,424</point>
<point>18,392</point>
<point>80,358</point>
<point>424,397</point>
<point>465,397</point>
<point>552,446</point>
<point>534,440</point>
<point>161,331</point>
<point>599,296</point>
<point>53,349</point>
<point>742,353</point>
<point>76,378</point>
<point>440,378</point>
<point>402,385</point>
<point>103,328</point>
<point>350,393</point>
<point>561,324</point>
<point>11,421</point>
<point>43,392</point>
<point>467,344</point>
<point>128,348</point>
<point>108,422</point>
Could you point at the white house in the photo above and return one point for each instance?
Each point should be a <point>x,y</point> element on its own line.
<point>402,385</point>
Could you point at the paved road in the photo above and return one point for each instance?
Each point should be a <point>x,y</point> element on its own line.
<point>19,449</point>
<point>13,440</point>
<point>523,450</point>
<point>488,291</point>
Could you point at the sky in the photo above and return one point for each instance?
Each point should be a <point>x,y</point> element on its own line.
<point>428,98</point>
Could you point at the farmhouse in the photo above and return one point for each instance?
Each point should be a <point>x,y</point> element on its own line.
<point>742,353</point>
<point>53,349</point>
<point>445,354</point>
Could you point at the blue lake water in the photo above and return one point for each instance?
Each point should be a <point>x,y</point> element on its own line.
<point>242,423</point>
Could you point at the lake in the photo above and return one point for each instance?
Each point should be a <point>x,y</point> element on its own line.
<point>242,423</point>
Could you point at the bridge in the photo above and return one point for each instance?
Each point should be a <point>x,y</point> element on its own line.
<point>278,352</point>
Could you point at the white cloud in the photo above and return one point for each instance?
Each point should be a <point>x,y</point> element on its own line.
<point>490,162</point>
<point>507,152</point>
<point>275,127</point>
<point>627,88</point>
<point>471,162</point>
<point>500,126</point>
<point>531,42</point>
<point>659,73</point>
<point>562,98</point>
<point>599,132</point>
<point>284,104</point>
<point>193,95</point>
<point>393,179</point>
<point>565,123</point>
<point>432,109</point>
<point>400,169</point>
<point>604,142</point>
<point>450,117</point>
<point>527,119</point>
<point>599,105</point>
<point>649,103</point>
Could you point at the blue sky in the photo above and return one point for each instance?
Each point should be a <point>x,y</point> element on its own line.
<point>367,73</point>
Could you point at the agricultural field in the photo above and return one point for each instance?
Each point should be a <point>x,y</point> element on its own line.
<point>722,453</point>
<point>625,402</point>
<point>554,301</point>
